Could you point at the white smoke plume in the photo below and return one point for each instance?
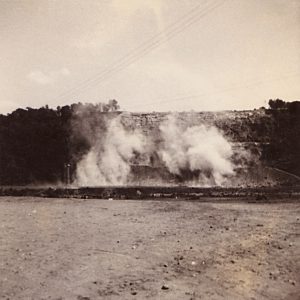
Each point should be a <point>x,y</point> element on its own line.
<point>108,161</point>
<point>196,155</point>
<point>199,152</point>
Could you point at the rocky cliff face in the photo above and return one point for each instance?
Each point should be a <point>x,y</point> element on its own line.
<point>239,126</point>
<point>253,132</point>
<point>249,132</point>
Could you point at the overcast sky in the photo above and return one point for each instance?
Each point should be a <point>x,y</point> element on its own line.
<point>163,55</point>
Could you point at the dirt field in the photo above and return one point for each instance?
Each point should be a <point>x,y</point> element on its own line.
<point>100,249</point>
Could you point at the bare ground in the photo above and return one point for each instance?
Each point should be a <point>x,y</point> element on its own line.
<point>99,249</point>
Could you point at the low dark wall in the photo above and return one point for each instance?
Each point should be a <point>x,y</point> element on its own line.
<point>144,192</point>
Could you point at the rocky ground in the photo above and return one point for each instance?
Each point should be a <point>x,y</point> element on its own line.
<point>98,249</point>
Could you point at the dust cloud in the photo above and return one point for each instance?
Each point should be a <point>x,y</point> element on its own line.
<point>108,161</point>
<point>199,155</point>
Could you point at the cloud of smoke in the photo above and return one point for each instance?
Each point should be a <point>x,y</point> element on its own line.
<point>199,153</point>
<point>109,160</point>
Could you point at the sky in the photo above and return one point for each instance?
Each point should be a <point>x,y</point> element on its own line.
<point>149,55</point>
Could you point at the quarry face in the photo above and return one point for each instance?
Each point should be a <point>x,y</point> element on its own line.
<point>204,149</point>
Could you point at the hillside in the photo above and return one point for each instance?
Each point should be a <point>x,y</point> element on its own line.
<point>37,145</point>
<point>260,133</point>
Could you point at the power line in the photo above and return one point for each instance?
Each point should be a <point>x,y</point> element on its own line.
<point>174,29</point>
<point>132,55</point>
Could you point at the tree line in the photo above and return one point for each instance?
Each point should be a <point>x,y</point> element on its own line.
<point>36,145</point>
<point>284,149</point>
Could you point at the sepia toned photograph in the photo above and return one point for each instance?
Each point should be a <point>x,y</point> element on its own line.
<point>150,149</point>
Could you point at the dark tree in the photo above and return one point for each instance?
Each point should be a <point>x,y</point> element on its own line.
<point>277,104</point>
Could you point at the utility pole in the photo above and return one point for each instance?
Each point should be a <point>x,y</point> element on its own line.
<point>67,173</point>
